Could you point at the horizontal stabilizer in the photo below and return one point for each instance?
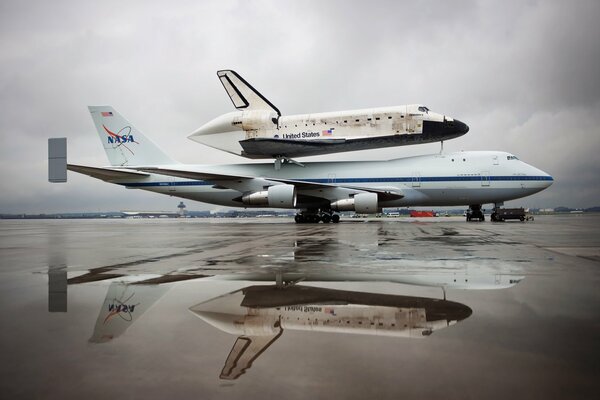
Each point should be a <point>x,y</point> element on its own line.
<point>242,94</point>
<point>57,160</point>
<point>106,174</point>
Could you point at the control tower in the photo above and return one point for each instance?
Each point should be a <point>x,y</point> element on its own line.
<point>182,209</point>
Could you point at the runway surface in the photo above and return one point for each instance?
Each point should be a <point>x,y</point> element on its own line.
<point>265,308</point>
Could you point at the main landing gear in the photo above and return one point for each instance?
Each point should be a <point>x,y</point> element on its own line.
<point>316,217</point>
<point>494,217</point>
<point>475,213</point>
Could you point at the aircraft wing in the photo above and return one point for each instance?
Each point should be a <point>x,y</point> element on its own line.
<point>106,174</point>
<point>271,147</point>
<point>329,191</point>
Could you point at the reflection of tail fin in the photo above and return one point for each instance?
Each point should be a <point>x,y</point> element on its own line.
<point>123,143</point>
<point>123,305</point>
<point>245,350</point>
<point>242,94</point>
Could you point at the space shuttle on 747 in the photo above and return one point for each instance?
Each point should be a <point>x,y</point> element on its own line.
<point>258,130</point>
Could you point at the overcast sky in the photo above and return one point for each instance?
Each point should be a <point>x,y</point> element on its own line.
<point>523,75</point>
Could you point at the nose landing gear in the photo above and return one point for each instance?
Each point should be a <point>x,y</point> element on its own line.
<point>475,213</point>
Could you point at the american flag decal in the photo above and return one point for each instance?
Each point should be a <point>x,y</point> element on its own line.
<point>329,310</point>
<point>107,113</point>
<point>328,132</point>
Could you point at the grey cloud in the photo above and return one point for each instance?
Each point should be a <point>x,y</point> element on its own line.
<point>521,74</point>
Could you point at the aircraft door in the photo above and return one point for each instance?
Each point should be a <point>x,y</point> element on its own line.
<point>416,179</point>
<point>485,178</point>
<point>331,178</point>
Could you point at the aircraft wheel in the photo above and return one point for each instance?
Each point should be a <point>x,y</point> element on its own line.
<point>311,218</point>
<point>325,218</point>
<point>299,219</point>
<point>335,218</point>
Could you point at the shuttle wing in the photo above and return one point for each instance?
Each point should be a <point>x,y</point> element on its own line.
<point>244,183</point>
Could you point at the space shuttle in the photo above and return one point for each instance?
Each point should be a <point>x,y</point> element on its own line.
<point>258,130</point>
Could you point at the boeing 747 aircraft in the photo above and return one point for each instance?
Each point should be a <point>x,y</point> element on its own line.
<point>258,130</point>
<point>317,189</point>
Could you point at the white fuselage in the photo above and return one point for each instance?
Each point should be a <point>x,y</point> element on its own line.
<point>411,123</point>
<point>462,178</point>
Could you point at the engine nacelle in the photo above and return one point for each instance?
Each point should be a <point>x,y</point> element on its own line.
<point>278,196</point>
<point>258,119</point>
<point>363,203</point>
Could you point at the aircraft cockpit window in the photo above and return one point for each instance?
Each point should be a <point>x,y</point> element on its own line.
<point>511,158</point>
<point>424,109</point>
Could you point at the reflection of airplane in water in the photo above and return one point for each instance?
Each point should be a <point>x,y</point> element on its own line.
<point>128,297</point>
<point>260,314</point>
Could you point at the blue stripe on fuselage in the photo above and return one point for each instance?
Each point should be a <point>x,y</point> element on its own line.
<point>364,180</point>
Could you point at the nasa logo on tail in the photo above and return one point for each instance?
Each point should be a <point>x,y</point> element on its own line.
<point>120,138</point>
<point>121,308</point>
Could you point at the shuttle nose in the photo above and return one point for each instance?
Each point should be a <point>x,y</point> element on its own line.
<point>446,129</point>
<point>460,127</point>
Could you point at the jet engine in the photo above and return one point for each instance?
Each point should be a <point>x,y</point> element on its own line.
<point>279,196</point>
<point>363,203</point>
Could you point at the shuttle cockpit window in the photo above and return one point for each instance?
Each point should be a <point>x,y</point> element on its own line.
<point>511,158</point>
<point>424,109</point>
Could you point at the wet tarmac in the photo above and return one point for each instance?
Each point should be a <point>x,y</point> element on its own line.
<point>265,308</point>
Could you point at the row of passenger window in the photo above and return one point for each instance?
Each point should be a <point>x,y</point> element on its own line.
<point>344,121</point>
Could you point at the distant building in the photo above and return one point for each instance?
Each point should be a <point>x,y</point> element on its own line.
<point>182,210</point>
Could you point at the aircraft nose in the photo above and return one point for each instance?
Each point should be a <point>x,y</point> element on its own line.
<point>460,127</point>
<point>548,179</point>
<point>446,129</point>
<point>544,179</point>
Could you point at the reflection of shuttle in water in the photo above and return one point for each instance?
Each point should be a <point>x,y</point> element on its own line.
<point>258,130</point>
<point>260,314</point>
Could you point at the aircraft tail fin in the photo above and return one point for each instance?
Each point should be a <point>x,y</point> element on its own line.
<point>242,94</point>
<point>123,143</point>
<point>123,305</point>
